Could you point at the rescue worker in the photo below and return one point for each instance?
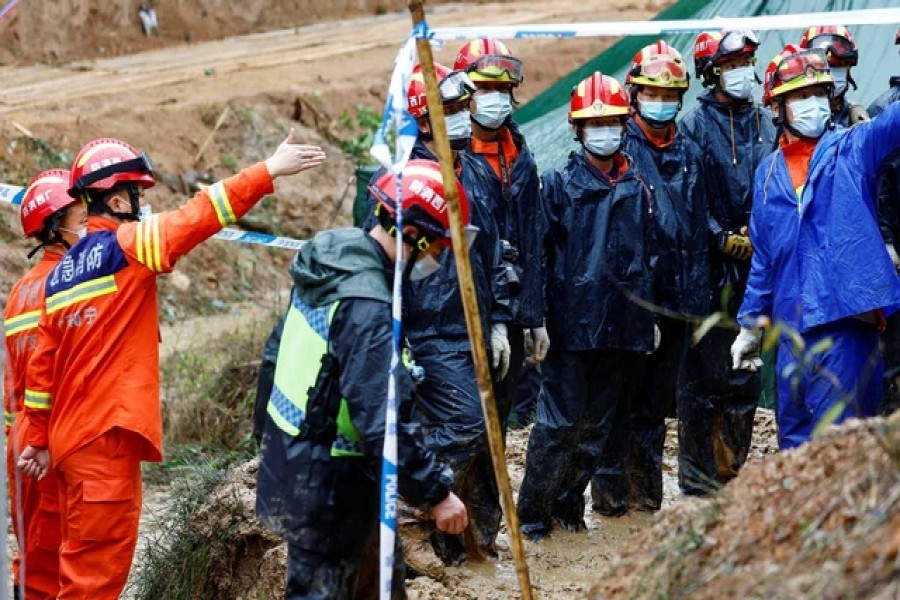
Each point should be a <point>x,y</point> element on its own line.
<point>320,490</point>
<point>92,387</point>
<point>630,474</point>
<point>498,143</point>
<point>448,400</point>
<point>56,221</point>
<point>820,271</point>
<point>889,221</point>
<point>716,406</point>
<point>600,250</point>
<point>840,48</point>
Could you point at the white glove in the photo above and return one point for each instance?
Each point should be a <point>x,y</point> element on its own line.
<point>745,350</point>
<point>892,252</point>
<point>500,350</point>
<point>540,343</point>
<point>657,338</point>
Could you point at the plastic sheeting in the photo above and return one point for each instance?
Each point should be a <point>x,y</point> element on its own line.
<point>544,119</point>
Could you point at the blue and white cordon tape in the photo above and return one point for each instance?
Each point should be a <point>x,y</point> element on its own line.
<point>13,194</point>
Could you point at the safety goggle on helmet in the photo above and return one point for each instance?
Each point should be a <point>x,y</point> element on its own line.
<point>794,69</point>
<point>454,86</point>
<point>423,203</point>
<point>103,163</point>
<point>836,41</point>
<point>487,59</point>
<point>658,65</point>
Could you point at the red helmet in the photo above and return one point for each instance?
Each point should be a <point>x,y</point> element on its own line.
<point>599,96</point>
<point>795,68</point>
<point>45,195</point>
<point>658,65</point>
<point>712,48</point>
<point>836,41</point>
<point>487,59</point>
<point>103,163</point>
<point>454,86</point>
<point>423,199</point>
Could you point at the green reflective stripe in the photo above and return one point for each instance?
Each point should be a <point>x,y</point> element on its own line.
<point>37,400</point>
<point>83,291</point>
<point>348,442</point>
<point>221,204</point>
<point>283,424</point>
<point>21,323</point>
<point>9,417</point>
<point>303,343</point>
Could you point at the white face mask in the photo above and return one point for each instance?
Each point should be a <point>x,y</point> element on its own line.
<point>603,141</point>
<point>493,109</point>
<point>841,76</point>
<point>146,211</point>
<point>424,267</point>
<point>81,232</point>
<point>738,83</point>
<point>459,129</point>
<point>810,116</point>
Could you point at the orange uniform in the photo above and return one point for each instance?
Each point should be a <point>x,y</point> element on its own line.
<point>92,391</point>
<point>500,154</point>
<point>34,503</point>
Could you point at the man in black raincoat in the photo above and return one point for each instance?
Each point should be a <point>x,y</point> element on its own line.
<point>500,148</point>
<point>889,222</point>
<point>630,473</point>
<point>717,405</point>
<point>320,458</point>
<point>434,323</point>
<point>600,249</point>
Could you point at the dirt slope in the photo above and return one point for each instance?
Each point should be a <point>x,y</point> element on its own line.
<point>818,522</point>
<point>166,100</point>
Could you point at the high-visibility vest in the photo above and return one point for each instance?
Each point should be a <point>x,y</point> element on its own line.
<point>303,344</point>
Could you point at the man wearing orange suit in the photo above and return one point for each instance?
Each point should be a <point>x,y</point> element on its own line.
<point>92,388</point>
<point>56,221</point>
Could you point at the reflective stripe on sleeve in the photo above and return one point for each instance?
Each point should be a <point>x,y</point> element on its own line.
<point>222,205</point>
<point>37,400</point>
<point>20,323</point>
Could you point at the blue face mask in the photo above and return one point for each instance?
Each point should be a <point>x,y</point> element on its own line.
<point>658,111</point>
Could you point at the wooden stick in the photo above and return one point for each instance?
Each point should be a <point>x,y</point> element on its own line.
<point>470,302</point>
<point>209,138</point>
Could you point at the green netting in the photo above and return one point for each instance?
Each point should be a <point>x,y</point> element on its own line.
<point>544,118</point>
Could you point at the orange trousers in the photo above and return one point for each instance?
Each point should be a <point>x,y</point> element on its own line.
<point>100,502</point>
<point>36,505</point>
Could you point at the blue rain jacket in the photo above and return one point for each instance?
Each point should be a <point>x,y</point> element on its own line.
<point>520,220</point>
<point>600,247</point>
<point>821,259</point>
<point>673,176</point>
<point>733,140</point>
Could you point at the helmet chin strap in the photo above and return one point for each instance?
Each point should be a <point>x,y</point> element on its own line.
<point>134,199</point>
<point>410,263</point>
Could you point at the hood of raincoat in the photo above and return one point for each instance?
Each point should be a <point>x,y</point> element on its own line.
<point>337,264</point>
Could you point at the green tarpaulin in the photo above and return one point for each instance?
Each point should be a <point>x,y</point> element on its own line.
<point>544,118</point>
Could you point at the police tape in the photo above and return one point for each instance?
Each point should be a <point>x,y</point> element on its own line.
<point>8,8</point>
<point>869,16</point>
<point>13,194</point>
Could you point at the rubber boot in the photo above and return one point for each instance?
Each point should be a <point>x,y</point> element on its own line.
<point>549,453</point>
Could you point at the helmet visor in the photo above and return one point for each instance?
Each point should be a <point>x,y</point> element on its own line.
<point>836,46</point>
<point>455,87</point>
<point>498,66</point>
<point>808,65</point>
<point>735,41</point>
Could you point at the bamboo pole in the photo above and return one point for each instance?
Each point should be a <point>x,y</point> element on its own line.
<point>470,302</point>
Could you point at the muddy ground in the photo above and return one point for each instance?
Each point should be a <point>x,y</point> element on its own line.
<point>250,563</point>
